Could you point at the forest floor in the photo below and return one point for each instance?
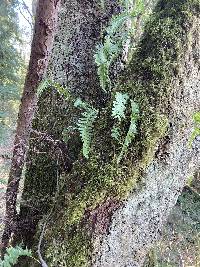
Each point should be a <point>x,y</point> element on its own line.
<point>180,244</point>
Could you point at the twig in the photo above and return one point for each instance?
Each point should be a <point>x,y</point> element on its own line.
<point>21,12</point>
<point>27,9</point>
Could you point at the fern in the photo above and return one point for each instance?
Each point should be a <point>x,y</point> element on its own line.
<point>116,36</point>
<point>104,56</point>
<point>12,255</point>
<point>44,84</point>
<point>85,125</point>
<point>119,106</point>
<point>116,133</point>
<point>131,131</point>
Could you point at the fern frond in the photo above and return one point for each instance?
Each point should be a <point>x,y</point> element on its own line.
<point>46,83</point>
<point>196,117</point>
<point>118,34</point>
<point>117,23</point>
<point>119,106</point>
<point>61,89</point>
<point>85,125</point>
<point>12,255</point>
<point>104,56</point>
<point>115,133</point>
<point>131,131</point>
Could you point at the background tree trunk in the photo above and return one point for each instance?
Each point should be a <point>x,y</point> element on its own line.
<point>41,48</point>
<point>110,214</point>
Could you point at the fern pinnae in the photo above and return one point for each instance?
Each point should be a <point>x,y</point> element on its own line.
<point>85,125</point>
<point>119,106</point>
<point>116,133</point>
<point>131,131</point>
<point>12,255</point>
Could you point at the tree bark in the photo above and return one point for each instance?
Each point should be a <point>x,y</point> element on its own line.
<point>45,26</point>
<point>72,65</point>
<point>110,214</point>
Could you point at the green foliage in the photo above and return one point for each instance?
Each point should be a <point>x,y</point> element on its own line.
<point>119,106</point>
<point>117,34</point>
<point>85,124</point>
<point>116,133</point>
<point>12,255</point>
<point>118,112</point>
<point>132,129</point>
<point>104,57</point>
<point>12,66</point>
<point>196,131</point>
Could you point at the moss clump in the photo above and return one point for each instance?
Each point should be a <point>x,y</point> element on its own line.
<point>71,250</point>
<point>148,80</point>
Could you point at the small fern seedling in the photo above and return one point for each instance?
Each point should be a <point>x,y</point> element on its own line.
<point>131,131</point>
<point>85,124</point>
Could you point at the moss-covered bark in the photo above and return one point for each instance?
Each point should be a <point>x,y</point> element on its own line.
<point>94,188</point>
<point>72,65</point>
<point>149,81</point>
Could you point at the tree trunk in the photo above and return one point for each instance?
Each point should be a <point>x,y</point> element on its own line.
<point>41,48</point>
<point>72,65</point>
<point>107,213</point>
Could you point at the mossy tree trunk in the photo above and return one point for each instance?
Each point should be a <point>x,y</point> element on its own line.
<point>107,213</point>
<point>72,65</point>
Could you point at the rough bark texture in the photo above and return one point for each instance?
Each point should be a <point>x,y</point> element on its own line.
<point>163,77</point>
<point>40,51</point>
<point>72,65</point>
<point>92,224</point>
<point>139,223</point>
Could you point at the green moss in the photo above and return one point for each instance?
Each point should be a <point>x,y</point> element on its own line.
<point>148,80</point>
<point>72,251</point>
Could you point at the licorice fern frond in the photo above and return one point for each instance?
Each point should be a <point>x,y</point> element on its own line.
<point>119,34</point>
<point>131,131</point>
<point>12,255</point>
<point>85,125</point>
<point>117,23</point>
<point>119,106</point>
<point>104,56</point>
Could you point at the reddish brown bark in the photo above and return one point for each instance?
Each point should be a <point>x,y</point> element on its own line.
<point>45,25</point>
